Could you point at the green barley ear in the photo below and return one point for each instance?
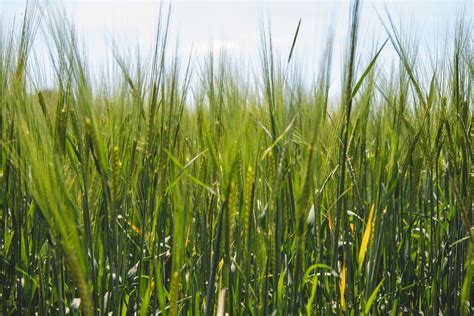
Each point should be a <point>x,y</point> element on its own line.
<point>61,123</point>
<point>272,205</point>
<point>271,169</point>
<point>246,214</point>
<point>77,273</point>
<point>232,212</point>
<point>76,127</point>
<point>249,178</point>
<point>42,103</point>
<point>247,204</point>
<point>96,146</point>
<point>151,123</point>
<point>116,167</point>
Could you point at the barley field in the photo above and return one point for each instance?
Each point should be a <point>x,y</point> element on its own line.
<point>185,189</point>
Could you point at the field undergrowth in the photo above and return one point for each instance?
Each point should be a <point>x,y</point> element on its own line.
<point>187,189</point>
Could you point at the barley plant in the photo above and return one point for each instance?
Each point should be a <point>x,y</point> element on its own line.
<point>197,189</point>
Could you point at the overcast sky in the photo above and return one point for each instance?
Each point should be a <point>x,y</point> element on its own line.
<point>234,25</point>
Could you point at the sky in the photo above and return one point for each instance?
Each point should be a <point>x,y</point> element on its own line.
<point>199,26</point>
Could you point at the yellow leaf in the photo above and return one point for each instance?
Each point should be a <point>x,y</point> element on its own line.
<point>331,225</point>
<point>366,237</point>
<point>186,241</point>
<point>136,229</point>
<point>342,284</point>
<point>220,265</point>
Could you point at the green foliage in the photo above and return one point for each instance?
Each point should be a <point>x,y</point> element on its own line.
<point>237,198</point>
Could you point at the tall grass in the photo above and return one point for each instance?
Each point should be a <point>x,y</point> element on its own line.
<point>159,196</point>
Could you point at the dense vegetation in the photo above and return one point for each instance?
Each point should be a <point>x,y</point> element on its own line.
<point>179,189</point>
